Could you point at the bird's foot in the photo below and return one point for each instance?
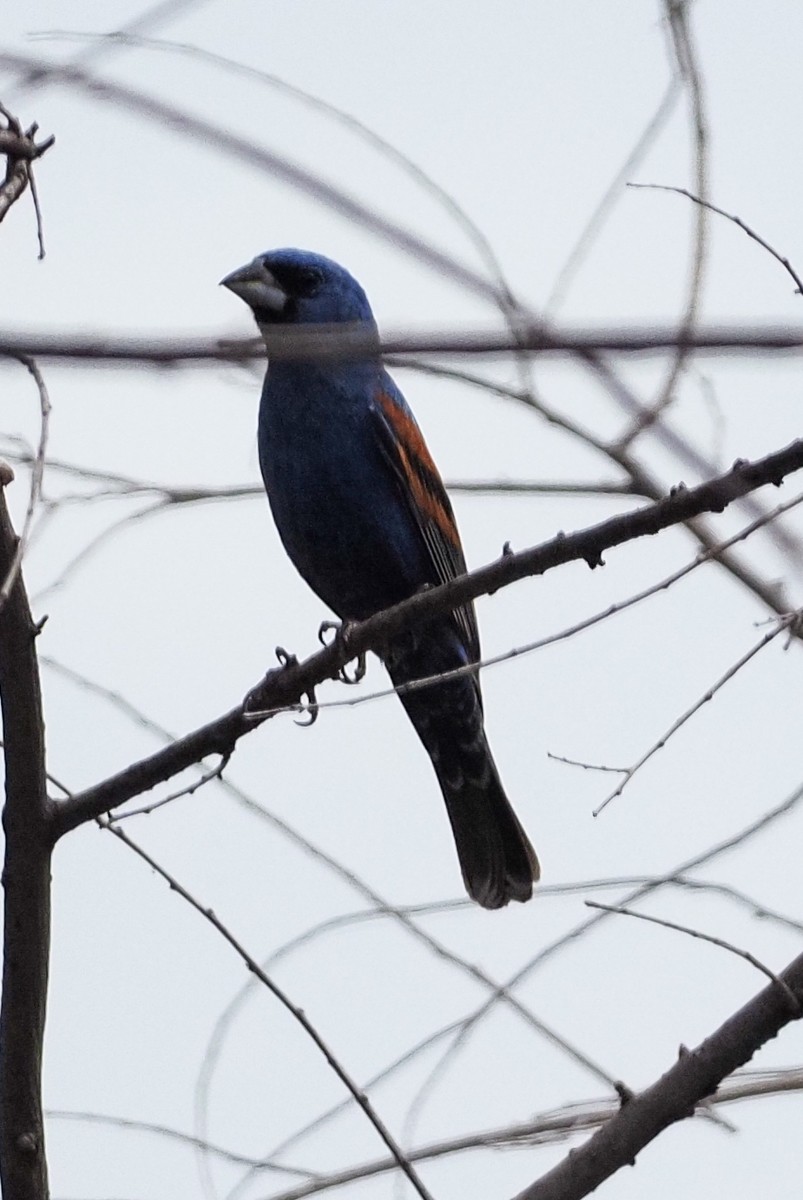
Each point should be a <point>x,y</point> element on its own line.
<point>309,705</point>
<point>340,629</point>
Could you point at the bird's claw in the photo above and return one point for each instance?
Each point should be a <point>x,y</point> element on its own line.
<point>326,627</point>
<point>286,659</point>
<point>340,630</point>
<point>310,707</point>
<point>359,671</point>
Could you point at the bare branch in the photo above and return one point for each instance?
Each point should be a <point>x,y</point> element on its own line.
<point>337,115</point>
<point>171,1135</point>
<point>462,1028</point>
<point>705,556</point>
<point>287,685</point>
<point>612,193</point>
<point>784,623</point>
<point>297,1013</point>
<point>696,1076</point>
<point>332,342</point>
<point>214,137</point>
<point>37,475</point>
<point>215,772</point>
<point>26,880</point>
<point>748,229</point>
<point>677,12</point>
<point>548,1128</point>
<point>705,937</point>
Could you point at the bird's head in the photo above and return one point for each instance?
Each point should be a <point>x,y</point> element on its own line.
<point>300,288</point>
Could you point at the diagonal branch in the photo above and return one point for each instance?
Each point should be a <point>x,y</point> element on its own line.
<point>286,686</point>
<point>695,1075</point>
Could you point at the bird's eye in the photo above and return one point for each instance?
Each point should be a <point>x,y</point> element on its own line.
<point>299,282</point>
<point>307,281</point>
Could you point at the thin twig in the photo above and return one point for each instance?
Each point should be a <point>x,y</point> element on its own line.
<point>215,772</point>
<point>170,1135</point>
<point>784,623</point>
<point>620,606</point>
<point>37,475</point>
<point>339,116</point>
<point>794,1003</point>
<point>694,1077</point>
<point>461,1030</point>
<point>594,224</point>
<point>550,1128</point>
<point>297,1013</point>
<point>37,208</point>
<point>685,54</point>
<point>288,684</point>
<point>748,229</point>
<point>587,766</point>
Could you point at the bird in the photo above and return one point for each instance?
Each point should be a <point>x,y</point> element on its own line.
<point>364,516</point>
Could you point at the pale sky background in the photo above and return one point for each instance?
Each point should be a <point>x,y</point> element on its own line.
<point>524,112</point>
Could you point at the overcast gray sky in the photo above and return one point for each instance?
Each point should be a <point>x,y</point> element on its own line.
<point>524,112</point>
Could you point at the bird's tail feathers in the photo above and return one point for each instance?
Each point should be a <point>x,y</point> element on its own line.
<point>497,859</point>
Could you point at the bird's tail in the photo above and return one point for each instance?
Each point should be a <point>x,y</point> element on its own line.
<point>497,861</point>
<point>496,857</point>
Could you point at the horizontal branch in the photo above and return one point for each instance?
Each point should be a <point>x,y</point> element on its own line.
<point>285,686</point>
<point>695,1076</point>
<point>326,342</point>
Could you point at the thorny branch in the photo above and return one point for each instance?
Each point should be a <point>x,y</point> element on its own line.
<point>695,1076</point>
<point>287,685</point>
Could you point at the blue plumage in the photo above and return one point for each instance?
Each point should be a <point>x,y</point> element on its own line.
<point>363,514</point>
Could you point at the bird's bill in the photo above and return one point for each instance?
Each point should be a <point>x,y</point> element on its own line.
<point>254,284</point>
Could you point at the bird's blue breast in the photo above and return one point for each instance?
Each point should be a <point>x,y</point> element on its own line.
<point>336,503</point>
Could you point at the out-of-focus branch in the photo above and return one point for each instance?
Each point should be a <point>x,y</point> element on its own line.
<point>685,53</point>
<point>26,880</point>
<point>287,685</point>
<point>732,217</point>
<point>545,1129</point>
<point>695,1076</point>
<point>37,474</point>
<point>332,342</point>
<point>217,138</point>
<point>297,1013</point>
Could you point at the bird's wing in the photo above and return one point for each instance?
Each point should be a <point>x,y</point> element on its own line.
<point>406,452</point>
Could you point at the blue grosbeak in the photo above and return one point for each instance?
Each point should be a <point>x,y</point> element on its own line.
<point>364,516</point>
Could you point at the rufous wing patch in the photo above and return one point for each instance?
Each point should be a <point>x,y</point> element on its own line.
<point>420,471</point>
